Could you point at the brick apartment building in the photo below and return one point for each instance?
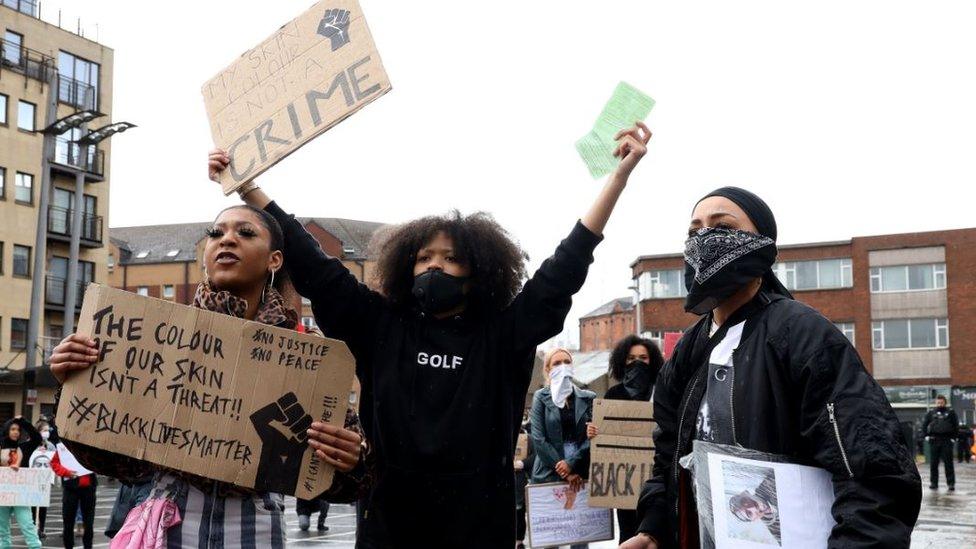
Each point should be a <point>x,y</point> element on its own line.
<point>906,301</point>
<point>32,52</point>
<point>602,327</point>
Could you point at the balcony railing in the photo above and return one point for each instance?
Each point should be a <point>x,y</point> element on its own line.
<point>28,7</point>
<point>26,61</point>
<point>69,153</point>
<point>59,222</point>
<point>56,289</point>
<point>47,345</point>
<point>77,93</point>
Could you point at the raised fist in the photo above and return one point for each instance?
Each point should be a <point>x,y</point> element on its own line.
<point>335,27</point>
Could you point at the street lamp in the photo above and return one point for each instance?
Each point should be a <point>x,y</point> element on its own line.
<point>90,139</point>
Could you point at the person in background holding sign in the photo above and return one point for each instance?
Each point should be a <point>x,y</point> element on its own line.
<point>560,413</point>
<point>41,458</point>
<point>444,354</point>
<point>20,439</point>
<point>941,427</point>
<point>243,262</point>
<point>762,371</point>
<point>79,486</point>
<point>634,363</point>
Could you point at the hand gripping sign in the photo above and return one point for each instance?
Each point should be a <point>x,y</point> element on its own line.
<point>312,73</point>
<point>205,393</point>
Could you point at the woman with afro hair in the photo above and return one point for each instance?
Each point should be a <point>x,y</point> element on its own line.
<point>444,352</point>
<point>634,363</point>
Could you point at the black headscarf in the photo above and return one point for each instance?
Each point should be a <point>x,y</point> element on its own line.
<point>762,217</point>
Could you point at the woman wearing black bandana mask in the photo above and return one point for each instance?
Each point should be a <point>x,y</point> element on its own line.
<point>634,363</point>
<point>762,371</point>
<point>444,353</point>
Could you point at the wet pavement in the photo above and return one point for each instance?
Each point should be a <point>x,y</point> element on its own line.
<point>947,520</point>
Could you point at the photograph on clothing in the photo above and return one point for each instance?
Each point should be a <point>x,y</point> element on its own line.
<point>752,505</point>
<point>755,500</point>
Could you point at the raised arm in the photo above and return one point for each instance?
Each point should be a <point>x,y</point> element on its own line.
<point>344,308</point>
<point>539,311</point>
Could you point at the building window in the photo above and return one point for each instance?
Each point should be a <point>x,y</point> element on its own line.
<point>3,110</point>
<point>3,183</point>
<point>913,333</point>
<point>79,81</point>
<point>111,262</point>
<point>86,273</point>
<point>142,255</point>
<point>24,188</point>
<point>169,291</point>
<point>908,278</point>
<point>661,284</point>
<point>22,257</point>
<point>18,333</point>
<point>13,47</point>
<point>25,115</point>
<point>822,274</point>
<point>1,258</point>
<point>172,253</point>
<point>847,328</point>
<point>143,291</point>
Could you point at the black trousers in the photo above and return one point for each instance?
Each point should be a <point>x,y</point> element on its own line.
<point>628,522</point>
<point>520,524</point>
<point>72,498</point>
<point>941,449</point>
<point>962,451</point>
<point>40,517</point>
<point>310,507</point>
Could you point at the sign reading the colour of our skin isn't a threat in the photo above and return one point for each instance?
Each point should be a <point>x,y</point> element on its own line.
<point>311,74</point>
<point>206,393</point>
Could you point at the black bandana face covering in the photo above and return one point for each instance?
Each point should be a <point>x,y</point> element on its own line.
<point>637,379</point>
<point>438,292</point>
<point>719,262</point>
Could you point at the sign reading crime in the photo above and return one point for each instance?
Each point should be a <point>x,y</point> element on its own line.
<point>559,515</point>
<point>311,74</point>
<point>25,487</point>
<point>622,454</point>
<point>206,393</point>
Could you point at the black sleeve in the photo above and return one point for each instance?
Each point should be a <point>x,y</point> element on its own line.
<point>850,429</point>
<point>344,308</point>
<point>32,444</point>
<point>540,309</point>
<point>955,421</point>
<point>652,506</point>
<point>925,424</point>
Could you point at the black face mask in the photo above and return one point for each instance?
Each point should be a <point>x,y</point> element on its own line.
<point>438,292</point>
<point>720,262</point>
<point>637,379</point>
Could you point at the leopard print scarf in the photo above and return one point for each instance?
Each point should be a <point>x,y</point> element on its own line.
<point>272,311</point>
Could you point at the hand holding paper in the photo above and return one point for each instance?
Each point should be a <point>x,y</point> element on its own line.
<point>627,106</point>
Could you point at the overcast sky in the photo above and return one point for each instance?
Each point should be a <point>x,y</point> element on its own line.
<point>849,118</point>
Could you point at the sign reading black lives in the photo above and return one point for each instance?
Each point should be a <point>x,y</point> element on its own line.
<point>205,393</point>
<point>311,74</point>
<point>622,454</point>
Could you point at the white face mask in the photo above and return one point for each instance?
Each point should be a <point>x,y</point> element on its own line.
<point>45,434</point>
<point>561,384</point>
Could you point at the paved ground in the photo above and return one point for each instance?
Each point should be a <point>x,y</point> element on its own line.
<point>947,521</point>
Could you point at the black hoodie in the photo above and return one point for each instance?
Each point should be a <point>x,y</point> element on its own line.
<point>30,439</point>
<point>442,399</point>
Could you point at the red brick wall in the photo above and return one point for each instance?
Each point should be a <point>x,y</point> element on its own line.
<point>599,333</point>
<point>854,304</point>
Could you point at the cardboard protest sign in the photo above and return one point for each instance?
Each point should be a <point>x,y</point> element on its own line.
<point>205,393</point>
<point>622,454</point>
<point>558,515</point>
<point>522,446</point>
<point>626,106</point>
<point>25,487</point>
<point>311,74</point>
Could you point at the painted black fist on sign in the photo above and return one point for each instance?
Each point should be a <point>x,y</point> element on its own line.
<point>335,27</point>
<point>283,427</point>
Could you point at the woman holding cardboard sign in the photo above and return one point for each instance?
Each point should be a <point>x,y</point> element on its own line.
<point>243,257</point>
<point>444,354</point>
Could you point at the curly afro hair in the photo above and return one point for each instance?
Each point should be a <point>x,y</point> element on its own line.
<point>497,263</point>
<point>618,357</point>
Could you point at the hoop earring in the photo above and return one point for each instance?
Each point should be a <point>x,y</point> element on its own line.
<point>264,294</point>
